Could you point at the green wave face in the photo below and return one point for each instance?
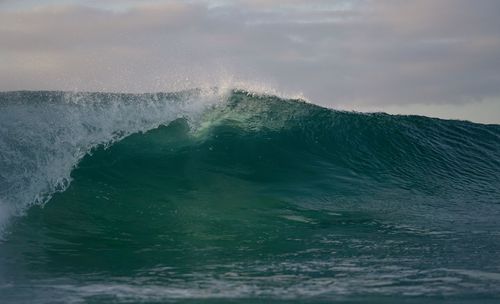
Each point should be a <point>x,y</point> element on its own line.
<point>268,200</point>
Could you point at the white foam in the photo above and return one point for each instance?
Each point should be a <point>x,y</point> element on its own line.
<point>41,141</point>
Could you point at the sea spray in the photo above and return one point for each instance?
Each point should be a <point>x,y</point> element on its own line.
<point>43,135</point>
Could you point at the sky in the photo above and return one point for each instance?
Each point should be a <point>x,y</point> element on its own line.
<point>438,58</point>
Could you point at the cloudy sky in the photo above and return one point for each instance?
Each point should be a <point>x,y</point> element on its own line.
<point>433,57</point>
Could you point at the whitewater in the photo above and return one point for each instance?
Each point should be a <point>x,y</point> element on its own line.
<point>45,134</point>
<point>235,196</point>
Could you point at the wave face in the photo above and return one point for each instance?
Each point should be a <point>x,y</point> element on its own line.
<point>242,197</point>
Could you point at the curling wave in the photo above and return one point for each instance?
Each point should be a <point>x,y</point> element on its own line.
<point>235,195</point>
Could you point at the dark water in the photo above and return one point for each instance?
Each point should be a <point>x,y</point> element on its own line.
<point>250,199</point>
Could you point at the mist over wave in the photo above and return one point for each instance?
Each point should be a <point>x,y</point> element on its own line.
<point>215,194</point>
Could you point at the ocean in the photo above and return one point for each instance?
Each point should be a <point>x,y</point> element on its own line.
<point>237,197</point>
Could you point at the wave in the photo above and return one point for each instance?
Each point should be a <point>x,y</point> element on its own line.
<point>254,194</point>
<point>43,136</point>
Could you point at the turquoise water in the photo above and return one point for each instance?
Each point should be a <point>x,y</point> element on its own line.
<point>238,197</point>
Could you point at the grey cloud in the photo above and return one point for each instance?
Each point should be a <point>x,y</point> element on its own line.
<point>347,52</point>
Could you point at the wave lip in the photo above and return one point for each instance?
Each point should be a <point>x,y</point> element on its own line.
<point>44,134</point>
